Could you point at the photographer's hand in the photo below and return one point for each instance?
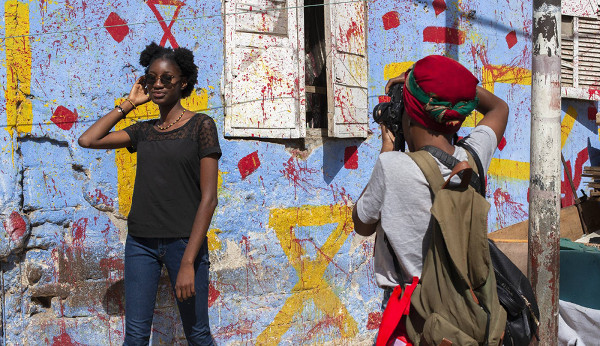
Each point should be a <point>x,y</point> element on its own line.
<point>387,139</point>
<point>395,80</point>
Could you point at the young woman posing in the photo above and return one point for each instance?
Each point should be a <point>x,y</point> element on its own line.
<point>174,196</point>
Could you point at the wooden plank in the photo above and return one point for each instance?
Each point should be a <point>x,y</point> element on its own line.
<point>570,227</point>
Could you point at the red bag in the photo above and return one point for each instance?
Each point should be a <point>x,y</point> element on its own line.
<point>391,328</point>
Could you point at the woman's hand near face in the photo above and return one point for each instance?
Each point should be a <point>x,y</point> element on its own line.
<point>139,94</point>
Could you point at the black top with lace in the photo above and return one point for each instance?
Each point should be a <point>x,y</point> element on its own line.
<point>167,192</point>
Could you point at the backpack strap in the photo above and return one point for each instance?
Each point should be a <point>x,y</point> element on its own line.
<point>450,162</point>
<point>478,164</point>
<point>429,168</point>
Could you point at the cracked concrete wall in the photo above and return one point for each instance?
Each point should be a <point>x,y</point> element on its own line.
<point>285,265</point>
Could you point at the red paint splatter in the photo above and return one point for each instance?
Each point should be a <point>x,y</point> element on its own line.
<point>438,34</point>
<point>248,164</point>
<point>565,186</point>
<point>116,27</point>
<point>15,226</point>
<point>374,320</point>
<point>242,328</point>
<point>506,207</point>
<point>296,172</point>
<point>213,294</point>
<point>324,324</point>
<point>99,197</point>
<point>592,113</point>
<point>384,98</point>
<point>78,231</point>
<point>108,265</point>
<point>593,94</point>
<point>502,143</point>
<point>351,157</point>
<point>354,30</point>
<point>64,118</point>
<point>168,35</point>
<point>64,339</point>
<point>439,6</point>
<point>390,20</point>
<point>511,39</point>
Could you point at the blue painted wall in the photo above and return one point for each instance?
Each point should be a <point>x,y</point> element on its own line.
<point>61,243</point>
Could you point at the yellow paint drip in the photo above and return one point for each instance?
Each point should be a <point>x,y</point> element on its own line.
<point>311,284</point>
<point>126,162</point>
<point>567,125</point>
<point>509,169</point>
<point>19,114</point>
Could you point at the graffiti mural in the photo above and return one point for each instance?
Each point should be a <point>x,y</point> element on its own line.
<point>286,267</point>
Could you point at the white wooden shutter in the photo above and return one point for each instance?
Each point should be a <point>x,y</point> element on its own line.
<point>263,79</point>
<point>580,50</point>
<point>579,8</point>
<point>347,68</point>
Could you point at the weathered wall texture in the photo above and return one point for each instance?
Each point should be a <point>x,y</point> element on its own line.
<point>286,266</point>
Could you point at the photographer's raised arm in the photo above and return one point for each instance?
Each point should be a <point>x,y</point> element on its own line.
<point>494,110</point>
<point>98,136</point>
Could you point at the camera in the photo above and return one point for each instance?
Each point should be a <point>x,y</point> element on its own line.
<point>390,114</point>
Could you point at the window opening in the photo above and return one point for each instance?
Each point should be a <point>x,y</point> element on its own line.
<point>315,69</point>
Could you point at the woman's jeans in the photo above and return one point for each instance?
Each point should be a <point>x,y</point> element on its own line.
<point>144,258</point>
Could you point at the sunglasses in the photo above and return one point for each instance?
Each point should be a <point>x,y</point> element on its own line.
<point>165,79</point>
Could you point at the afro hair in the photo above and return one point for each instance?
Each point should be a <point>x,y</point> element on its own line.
<point>184,58</point>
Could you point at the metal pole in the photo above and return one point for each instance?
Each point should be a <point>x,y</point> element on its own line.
<point>544,181</point>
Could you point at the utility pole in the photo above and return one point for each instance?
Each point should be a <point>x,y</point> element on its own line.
<point>544,181</point>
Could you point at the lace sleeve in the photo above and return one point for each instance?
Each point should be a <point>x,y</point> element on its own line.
<point>208,138</point>
<point>134,134</point>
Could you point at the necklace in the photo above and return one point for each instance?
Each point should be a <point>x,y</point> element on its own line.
<point>171,124</point>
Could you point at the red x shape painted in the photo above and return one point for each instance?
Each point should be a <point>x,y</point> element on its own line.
<point>168,35</point>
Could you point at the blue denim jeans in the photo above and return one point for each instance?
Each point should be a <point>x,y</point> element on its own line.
<point>144,258</point>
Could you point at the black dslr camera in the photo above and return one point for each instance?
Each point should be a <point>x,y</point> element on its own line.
<point>390,114</point>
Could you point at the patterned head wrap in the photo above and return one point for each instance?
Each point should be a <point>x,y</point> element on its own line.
<point>439,93</point>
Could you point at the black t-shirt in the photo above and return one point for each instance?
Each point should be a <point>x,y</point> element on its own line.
<point>167,192</point>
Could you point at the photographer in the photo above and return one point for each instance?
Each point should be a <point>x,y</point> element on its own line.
<point>438,94</point>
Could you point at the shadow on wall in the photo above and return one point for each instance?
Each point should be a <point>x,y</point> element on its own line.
<point>114,299</point>
<point>338,154</point>
<point>594,154</point>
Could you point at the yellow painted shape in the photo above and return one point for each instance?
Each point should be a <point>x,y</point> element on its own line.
<point>213,240</point>
<point>493,74</point>
<point>19,114</point>
<point>311,284</point>
<point>567,125</point>
<point>126,162</point>
<point>395,69</point>
<point>509,169</point>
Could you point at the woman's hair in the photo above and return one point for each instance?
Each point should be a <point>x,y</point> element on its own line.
<point>184,58</point>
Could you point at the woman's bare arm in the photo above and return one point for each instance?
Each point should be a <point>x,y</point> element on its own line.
<point>209,172</point>
<point>99,136</point>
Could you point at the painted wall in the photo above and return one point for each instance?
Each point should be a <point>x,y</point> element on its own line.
<point>286,266</point>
